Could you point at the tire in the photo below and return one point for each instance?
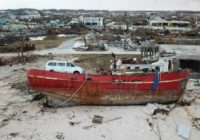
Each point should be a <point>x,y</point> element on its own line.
<point>76,72</point>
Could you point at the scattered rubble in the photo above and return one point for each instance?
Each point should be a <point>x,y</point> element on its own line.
<point>60,136</point>
<point>197,85</point>
<point>97,119</point>
<point>5,122</point>
<point>13,134</point>
<point>150,123</point>
<point>74,123</point>
<point>38,97</point>
<point>22,86</point>
<point>185,102</point>
<point>110,120</point>
<point>153,109</point>
<point>196,123</point>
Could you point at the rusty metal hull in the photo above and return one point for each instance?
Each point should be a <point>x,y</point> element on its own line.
<point>110,90</point>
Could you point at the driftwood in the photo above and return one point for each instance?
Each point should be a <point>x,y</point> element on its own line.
<point>110,120</point>
<point>97,119</point>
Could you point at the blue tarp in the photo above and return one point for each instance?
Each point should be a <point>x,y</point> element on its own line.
<point>156,81</point>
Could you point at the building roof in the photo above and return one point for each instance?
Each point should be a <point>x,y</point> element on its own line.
<point>3,21</point>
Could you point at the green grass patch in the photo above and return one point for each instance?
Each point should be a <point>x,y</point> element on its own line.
<point>47,43</point>
<point>96,61</point>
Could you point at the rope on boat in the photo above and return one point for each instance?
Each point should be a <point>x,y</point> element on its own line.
<point>69,99</point>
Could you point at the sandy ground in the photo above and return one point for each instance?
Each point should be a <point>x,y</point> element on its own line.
<point>21,119</point>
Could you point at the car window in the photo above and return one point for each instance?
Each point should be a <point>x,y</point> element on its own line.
<point>52,64</point>
<point>70,65</point>
<point>61,64</point>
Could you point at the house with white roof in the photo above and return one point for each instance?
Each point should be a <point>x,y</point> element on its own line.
<point>30,14</point>
<point>88,21</point>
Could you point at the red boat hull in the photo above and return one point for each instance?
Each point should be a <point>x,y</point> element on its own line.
<point>108,89</point>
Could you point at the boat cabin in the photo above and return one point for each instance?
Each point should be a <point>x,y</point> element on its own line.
<point>163,64</point>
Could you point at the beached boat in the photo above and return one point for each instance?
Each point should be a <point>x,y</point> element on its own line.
<point>84,89</point>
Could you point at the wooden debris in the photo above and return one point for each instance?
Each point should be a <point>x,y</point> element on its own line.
<point>186,103</point>
<point>153,109</point>
<point>13,134</point>
<point>161,111</point>
<point>97,119</point>
<point>150,123</point>
<point>196,123</point>
<point>60,136</point>
<point>110,120</point>
<point>74,123</point>
<point>37,97</point>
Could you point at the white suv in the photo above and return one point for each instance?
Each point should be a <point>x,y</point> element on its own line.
<point>63,66</point>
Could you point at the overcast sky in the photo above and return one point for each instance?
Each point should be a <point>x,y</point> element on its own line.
<point>103,4</point>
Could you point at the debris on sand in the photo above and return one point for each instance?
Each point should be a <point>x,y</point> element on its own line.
<point>74,123</point>
<point>153,109</point>
<point>60,136</point>
<point>110,120</point>
<point>5,122</point>
<point>48,110</point>
<point>24,112</point>
<point>13,134</point>
<point>196,123</point>
<point>22,86</point>
<point>197,85</point>
<point>186,102</point>
<point>150,123</point>
<point>184,131</point>
<point>97,119</point>
<point>38,97</point>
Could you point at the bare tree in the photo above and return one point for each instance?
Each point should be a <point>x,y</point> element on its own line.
<point>125,19</point>
<point>22,49</point>
<point>104,24</point>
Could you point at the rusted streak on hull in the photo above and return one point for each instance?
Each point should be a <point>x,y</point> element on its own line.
<point>119,99</point>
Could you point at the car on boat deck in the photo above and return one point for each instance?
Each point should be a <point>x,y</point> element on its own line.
<point>63,67</point>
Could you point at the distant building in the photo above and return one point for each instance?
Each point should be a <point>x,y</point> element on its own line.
<point>198,24</point>
<point>92,21</point>
<point>114,25</point>
<point>13,27</point>
<point>173,24</point>
<point>55,24</point>
<point>88,21</point>
<point>7,14</point>
<point>47,13</point>
<point>2,12</point>
<point>30,14</point>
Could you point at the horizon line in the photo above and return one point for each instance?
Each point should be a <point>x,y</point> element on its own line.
<point>145,10</point>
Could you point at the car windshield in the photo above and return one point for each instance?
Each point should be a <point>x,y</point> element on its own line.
<point>70,65</point>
